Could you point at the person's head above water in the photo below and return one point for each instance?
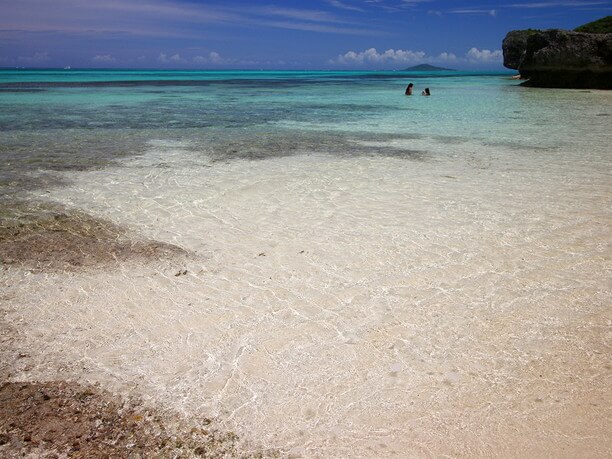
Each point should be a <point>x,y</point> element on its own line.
<point>426,92</point>
<point>409,89</point>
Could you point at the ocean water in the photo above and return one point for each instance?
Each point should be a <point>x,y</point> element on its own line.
<point>262,114</point>
<point>373,275</point>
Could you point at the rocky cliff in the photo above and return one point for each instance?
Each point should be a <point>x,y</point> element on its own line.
<point>560,58</point>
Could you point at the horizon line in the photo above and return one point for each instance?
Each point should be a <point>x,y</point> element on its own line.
<point>233,69</point>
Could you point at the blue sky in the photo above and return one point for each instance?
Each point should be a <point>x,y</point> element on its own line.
<point>281,34</point>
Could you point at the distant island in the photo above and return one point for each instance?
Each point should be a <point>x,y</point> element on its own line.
<point>426,68</point>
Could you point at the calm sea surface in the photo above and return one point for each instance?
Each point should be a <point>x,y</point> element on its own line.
<point>54,119</point>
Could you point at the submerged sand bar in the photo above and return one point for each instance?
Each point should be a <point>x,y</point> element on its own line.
<point>346,307</point>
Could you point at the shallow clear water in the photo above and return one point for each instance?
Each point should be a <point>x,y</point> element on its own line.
<point>100,115</point>
<point>374,275</point>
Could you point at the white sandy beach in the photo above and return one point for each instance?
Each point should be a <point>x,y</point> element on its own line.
<point>347,307</point>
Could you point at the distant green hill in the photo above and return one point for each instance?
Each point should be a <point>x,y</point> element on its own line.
<point>424,68</point>
<point>603,25</point>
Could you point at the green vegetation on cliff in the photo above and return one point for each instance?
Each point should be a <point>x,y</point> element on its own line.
<point>603,25</point>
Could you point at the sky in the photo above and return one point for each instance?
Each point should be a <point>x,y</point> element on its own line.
<point>274,34</point>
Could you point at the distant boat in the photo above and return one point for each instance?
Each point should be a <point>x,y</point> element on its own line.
<point>67,67</point>
<point>426,68</point>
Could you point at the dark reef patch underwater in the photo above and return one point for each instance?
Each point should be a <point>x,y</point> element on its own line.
<point>47,238</point>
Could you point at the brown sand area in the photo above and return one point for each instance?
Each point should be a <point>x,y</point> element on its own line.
<point>59,419</point>
<point>48,238</point>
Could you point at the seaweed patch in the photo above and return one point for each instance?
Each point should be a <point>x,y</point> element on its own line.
<point>48,238</point>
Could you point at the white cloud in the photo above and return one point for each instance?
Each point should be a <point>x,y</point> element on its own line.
<point>174,59</point>
<point>492,13</point>
<point>411,3</point>
<point>485,55</point>
<point>372,56</point>
<point>35,59</point>
<point>446,57</point>
<point>103,58</point>
<point>299,14</point>
<point>562,4</point>
<point>168,18</point>
<point>212,58</point>
<point>399,56</point>
<point>344,6</point>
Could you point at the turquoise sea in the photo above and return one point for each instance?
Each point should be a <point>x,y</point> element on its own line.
<point>57,119</point>
<point>368,274</point>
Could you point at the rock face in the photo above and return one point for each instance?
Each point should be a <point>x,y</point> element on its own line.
<point>560,58</point>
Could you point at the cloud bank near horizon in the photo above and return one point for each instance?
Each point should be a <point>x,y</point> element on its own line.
<point>371,57</point>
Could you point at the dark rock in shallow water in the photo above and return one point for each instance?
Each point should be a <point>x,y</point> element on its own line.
<point>514,47</point>
<point>560,58</point>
